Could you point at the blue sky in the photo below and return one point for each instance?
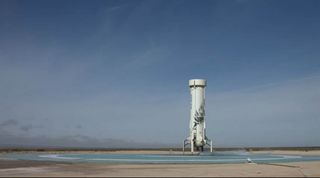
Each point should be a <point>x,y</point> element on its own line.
<point>115,73</point>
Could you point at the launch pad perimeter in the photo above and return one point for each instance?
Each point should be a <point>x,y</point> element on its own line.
<point>202,158</point>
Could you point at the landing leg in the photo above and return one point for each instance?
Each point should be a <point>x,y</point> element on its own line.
<point>192,147</point>
<point>183,146</point>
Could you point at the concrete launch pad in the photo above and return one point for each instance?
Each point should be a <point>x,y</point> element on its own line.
<point>202,158</point>
<point>143,163</point>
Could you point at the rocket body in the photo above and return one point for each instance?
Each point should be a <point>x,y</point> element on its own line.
<point>197,112</point>
<point>197,138</point>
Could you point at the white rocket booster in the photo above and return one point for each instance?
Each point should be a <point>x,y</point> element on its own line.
<point>197,126</point>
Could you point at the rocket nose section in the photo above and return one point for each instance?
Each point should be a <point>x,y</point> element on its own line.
<point>197,82</point>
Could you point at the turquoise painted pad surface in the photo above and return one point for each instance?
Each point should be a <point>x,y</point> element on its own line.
<point>206,158</point>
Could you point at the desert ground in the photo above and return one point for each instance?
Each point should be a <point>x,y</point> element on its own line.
<point>47,168</point>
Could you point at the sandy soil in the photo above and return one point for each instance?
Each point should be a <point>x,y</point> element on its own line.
<point>46,168</point>
<point>107,151</point>
<point>301,169</point>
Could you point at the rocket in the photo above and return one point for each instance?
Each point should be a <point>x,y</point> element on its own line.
<point>197,138</point>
